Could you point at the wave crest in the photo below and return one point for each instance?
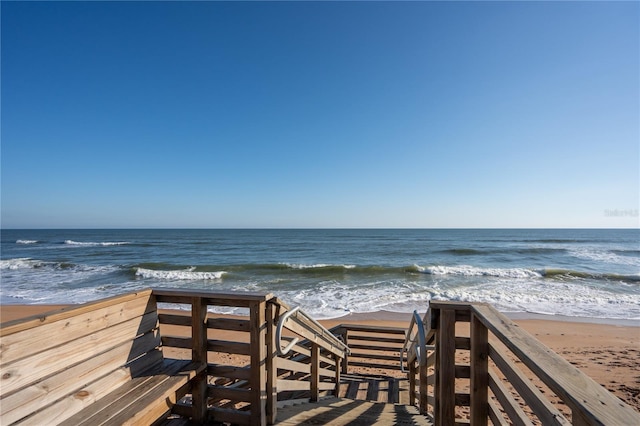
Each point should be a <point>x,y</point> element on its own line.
<point>95,244</point>
<point>185,274</point>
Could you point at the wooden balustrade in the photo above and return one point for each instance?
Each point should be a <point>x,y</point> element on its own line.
<point>486,366</point>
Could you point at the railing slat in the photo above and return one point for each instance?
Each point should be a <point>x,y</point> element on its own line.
<point>539,404</point>
<point>509,404</point>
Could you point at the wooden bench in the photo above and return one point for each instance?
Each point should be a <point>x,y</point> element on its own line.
<point>98,363</point>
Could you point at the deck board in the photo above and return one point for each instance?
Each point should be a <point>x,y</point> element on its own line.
<point>340,411</point>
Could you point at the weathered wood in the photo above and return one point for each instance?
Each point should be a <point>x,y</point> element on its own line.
<point>31,369</point>
<point>184,296</point>
<point>312,337</point>
<point>508,403</point>
<point>258,380</point>
<point>380,357</point>
<point>233,417</point>
<point>272,371</point>
<point>372,348</point>
<point>177,342</point>
<point>51,333</point>
<point>32,398</point>
<point>372,329</point>
<point>445,365</point>
<point>11,327</point>
<point>183,320</point>
<point>229,371</point>
<point>302,385</point>
<point>576,389</point>
<point>199,356</point>
<point>398,342</point>
<point>479,343</point>
<point>315,371</point>
<point>228,347</point>
<point>538,403</point>
<point>230,324</point>
<point>233,394</point>
<point>495,415</point>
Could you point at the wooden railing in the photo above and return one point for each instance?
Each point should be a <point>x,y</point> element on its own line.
<point>486,368</point>
<point>375,348</point>
<point>244,388</point>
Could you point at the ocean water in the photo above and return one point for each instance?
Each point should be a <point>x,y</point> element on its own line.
<point>331,273</point>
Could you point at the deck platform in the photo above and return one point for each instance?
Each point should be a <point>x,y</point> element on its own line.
<point>344,411</point>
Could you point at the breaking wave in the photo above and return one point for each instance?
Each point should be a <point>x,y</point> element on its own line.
<point>27,241</point>
<point>95,244</point>
<point>187,275</point>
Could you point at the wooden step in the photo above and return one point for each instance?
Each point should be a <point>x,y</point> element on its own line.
<point>343,411</point>
<point>376,389</point>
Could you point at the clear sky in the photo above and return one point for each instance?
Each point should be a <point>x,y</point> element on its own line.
<point>307,114</point>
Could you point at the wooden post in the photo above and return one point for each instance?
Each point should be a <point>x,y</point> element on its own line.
<point>422,392</point>
<point>446,364</point>
<point>258,380</point>
<point>336,391</point>
<point>199,355</point>
<point>412,383</point>
<point>315,372</point>
<point>272,373</point>
<point>479,372</point>
<point>345,362</point>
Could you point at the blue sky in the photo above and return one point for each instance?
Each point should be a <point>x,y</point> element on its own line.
<point>305,114</point>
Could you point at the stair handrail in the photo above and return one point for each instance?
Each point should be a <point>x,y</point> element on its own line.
<point>316,330</point>
<point>421,350</point>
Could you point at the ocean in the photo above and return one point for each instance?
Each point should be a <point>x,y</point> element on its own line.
<point>334,272</point>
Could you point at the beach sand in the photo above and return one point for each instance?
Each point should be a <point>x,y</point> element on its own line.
<point>608,353</point>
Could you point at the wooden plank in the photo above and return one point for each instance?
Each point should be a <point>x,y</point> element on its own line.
<point>85,396</point>
<point>372,348</point>
<point>290,365</point>
<point>32,369</point>
<point>377,356</point>
<point>228,347</point>
<point>230,371</point>
<point>177,342</point>
<point>495,415</point>
<point>233,394</point>
<point>576,389</point>
<point>546,412</point>
<point>149,407</point>
<point>11,327</point>
<point>293,385</point>
<point>479,343</point>
<point>233,417</point>
<point>183,320</point>
<point>258,379</point>
<point>508,402</point>
<point>239,299</point>
<point>50,333</point>
<point>379,339</point>
<point>32,398</point>
<point>228,324</point>
<point>373,329</point>
<point>141,400</point>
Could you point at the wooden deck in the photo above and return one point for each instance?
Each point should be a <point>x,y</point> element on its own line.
<point>344,411</point>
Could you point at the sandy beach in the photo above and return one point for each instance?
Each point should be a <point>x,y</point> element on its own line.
<point>608,353</point>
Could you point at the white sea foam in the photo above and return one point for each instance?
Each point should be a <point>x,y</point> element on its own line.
<point>26,241</point>
<point>96,244</point>
<point>20,263</point>
<point>317,265</point>
<point>606,256</point>
<point>473,271</point>
<point>185,274</point>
